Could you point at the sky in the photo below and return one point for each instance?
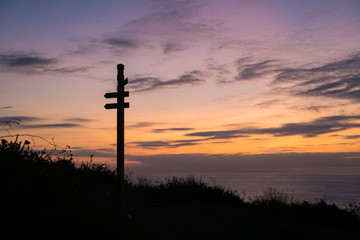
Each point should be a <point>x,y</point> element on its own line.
<point>215,86</point>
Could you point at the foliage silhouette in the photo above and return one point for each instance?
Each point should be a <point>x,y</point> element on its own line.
<point>47,196</point>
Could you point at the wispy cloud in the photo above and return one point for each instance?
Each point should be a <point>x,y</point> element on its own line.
<point>170,16</point>
<point>19,118</point>
<point>314,108</point>
<point>336,79</point>
<point>54,125</point>
<point>32,62</point>
<point>78,120</point>
<point>165,20</point>
<point>248,71</point>
<point>227,134</point>
<point>66,69</point>
<point>165,144</point>
<point>142,84</point>
<point>269,103</point>
<point>308,129</point>
<point>141,125</point>
<point>26,122</point>
<point>220,70</point>
<point>285,103</point>
<point>161,130</point>
<point>6,107</point>
<point>352,137</point>
<point>25,59</point>
<point>121,42</point>
<point>172,46</point>
<point>162,25</point>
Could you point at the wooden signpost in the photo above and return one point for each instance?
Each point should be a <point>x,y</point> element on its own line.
<point>120,106</point>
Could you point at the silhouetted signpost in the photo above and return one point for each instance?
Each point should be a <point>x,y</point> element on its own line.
<point>120,106</point>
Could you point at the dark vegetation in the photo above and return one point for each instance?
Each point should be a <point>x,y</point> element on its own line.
<point>49,196</point>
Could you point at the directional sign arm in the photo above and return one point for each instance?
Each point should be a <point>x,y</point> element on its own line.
<point>111,95</point>
<point>111,106</point>
<point>115,105</point>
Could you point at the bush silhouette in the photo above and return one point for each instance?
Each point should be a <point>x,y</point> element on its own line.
<point>49,196</point>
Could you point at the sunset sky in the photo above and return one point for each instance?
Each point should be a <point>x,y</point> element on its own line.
<point>215,86</point>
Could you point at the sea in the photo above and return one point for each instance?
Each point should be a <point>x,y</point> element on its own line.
<point>339,189</point>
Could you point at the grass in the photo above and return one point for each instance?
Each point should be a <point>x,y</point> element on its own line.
<point>48,196</point>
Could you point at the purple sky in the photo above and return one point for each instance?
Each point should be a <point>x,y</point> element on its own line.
<point>249,86</point>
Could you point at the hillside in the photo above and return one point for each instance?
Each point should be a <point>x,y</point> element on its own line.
<point>48,196</point>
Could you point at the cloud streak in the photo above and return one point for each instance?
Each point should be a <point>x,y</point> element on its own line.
<point>170,17</point>
<point>124,43</point>
<point>352,137</point>
<point>69,123</point>
<point>31,62</point>
<point>248,71</point>
<point>22,59</point>
<point>310,129</point>
<point>67,69</point>
<point>78,120</point>
<point>313,128</point>
<point>55,125</point>
<point>161,130</point>
<point>165,144</point>
<point>337,79</point>
<point>172,46</point>
<point>143,84</point>
<point>19,118</point>
<point>141,125</point>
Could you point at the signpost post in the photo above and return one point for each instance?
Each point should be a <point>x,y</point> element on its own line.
<point>120,106</point>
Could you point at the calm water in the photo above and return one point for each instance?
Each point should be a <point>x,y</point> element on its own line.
<point>338,189</point>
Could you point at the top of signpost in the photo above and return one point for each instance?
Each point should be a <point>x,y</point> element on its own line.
<point>120,67</point>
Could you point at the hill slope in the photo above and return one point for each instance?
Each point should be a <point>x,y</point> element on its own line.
<point>46,196</point>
